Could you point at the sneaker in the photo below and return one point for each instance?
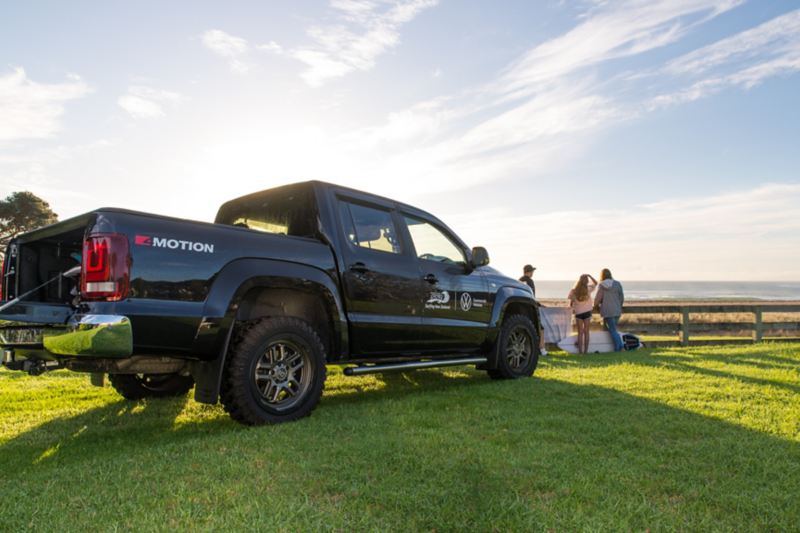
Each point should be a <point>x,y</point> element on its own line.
<point>544,351</point>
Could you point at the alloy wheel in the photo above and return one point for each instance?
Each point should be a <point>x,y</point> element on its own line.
<point>282,375</point>
<point>519,348</point>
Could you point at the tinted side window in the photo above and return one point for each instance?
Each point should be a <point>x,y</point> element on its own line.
<point>369,227</point>
<point>431,244</point>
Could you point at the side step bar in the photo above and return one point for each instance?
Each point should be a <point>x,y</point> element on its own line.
<point>395,367</point>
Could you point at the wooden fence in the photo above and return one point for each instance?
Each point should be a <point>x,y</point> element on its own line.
<point>689,321</point>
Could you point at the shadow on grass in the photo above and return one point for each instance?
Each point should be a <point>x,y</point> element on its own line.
<point>124,426</point>
<point>653,357</point>
<point>118,426</point>
<point>528,454</point>
<point>760,360</point>
<point>401,384</point>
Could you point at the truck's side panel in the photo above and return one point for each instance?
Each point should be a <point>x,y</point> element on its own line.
<point>235,296</point>
<point>244,276</point>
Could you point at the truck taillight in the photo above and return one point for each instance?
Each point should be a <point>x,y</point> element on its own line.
<point>105,267</point>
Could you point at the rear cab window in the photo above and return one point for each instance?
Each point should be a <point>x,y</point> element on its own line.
<point>285,211</point>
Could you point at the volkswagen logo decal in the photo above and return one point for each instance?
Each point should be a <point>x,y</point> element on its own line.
<point>466,302</point>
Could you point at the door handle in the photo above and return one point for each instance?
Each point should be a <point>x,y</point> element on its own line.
<point>430,278</point>
<point>359,267</point>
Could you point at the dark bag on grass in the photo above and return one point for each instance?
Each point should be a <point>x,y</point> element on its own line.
<point>631,342</point>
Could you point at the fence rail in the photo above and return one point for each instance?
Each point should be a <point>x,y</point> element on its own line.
<point>694,319</point>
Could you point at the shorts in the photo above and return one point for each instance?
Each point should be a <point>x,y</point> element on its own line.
<point>584,316</point>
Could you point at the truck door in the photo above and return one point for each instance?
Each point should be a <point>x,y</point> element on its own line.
<point>456,308</point>
<point>383,291</point>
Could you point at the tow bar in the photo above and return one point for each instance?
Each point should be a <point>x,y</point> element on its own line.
<point>34,367</point>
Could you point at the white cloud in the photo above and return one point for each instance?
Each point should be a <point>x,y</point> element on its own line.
<point>611,31</point>
<point>271,46</point>
<point>146,102</point>
<point>224,44</point>
<point>744,59</point>
<point>230,47</point>
<point>365,29</point>
<point>236,49</point>
<point>750,234</point>
<point>31,110</point>
<point>438,151</point>
<point>775,37</point>
<point>369,29</point>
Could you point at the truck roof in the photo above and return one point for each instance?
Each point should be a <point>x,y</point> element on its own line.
<point>318,184</point>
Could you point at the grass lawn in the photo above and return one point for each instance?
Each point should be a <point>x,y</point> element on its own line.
<point>696,439</point>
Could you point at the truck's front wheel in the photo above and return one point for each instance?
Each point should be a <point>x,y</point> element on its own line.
<point>275,372</point>
<point>517,349</point>
<point>139,386</point>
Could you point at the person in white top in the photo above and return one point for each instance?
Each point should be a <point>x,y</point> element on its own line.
<point>580,300</point>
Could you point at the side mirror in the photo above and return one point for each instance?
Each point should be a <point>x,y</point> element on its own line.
<point>480,257</point>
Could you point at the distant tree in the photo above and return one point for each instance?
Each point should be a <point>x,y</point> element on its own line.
<point>20,212</point>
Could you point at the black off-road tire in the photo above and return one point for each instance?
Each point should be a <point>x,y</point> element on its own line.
<point>517,349</point>
<point>262,382</point>
<point>140,386</point>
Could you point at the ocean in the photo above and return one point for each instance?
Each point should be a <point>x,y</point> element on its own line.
<point>686,290</point>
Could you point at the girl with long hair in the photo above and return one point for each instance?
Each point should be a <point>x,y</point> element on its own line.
<point>580,299</point>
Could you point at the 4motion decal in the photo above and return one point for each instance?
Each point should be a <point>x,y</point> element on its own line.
<point>173,244</point>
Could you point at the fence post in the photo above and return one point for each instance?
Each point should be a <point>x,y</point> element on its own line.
<point>684,327</point>
<point>758,332</point>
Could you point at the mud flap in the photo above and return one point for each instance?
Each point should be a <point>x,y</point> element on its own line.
<point>208,375</point>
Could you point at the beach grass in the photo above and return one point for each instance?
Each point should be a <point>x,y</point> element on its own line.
<point>697,438</point>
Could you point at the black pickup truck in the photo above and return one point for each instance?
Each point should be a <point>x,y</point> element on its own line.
<point>252,308</point>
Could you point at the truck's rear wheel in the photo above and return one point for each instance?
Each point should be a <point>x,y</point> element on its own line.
<point>139,386</point>
<point>517,349</point>
<point>275,372</point>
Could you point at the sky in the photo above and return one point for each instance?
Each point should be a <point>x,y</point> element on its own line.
<point>658,138</point>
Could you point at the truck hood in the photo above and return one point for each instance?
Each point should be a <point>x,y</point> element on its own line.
<point>493,275</point>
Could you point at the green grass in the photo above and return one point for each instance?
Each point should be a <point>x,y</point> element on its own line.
<point>692,439</point>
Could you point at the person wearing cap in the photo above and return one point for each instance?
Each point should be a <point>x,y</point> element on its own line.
<point>527,278</point>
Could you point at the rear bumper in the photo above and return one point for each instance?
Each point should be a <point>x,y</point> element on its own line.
<point>88,335</point>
